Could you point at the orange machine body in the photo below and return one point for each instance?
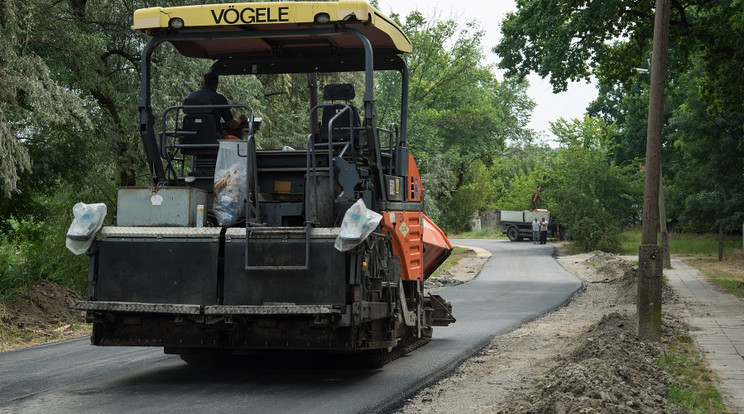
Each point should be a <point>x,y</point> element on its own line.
<point>420,244</point>
<point>414,180</point>
<point>405,227</point>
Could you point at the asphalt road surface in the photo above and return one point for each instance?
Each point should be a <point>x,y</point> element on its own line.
<point>518,283</point>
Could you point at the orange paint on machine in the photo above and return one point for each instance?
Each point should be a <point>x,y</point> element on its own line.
<point>405,228</point>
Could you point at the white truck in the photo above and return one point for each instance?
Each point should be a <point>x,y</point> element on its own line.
<point>518,224</point>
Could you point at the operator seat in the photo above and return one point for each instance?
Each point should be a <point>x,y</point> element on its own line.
<point>198,138</point>
<point>345,124</point>
<point>200,130</point>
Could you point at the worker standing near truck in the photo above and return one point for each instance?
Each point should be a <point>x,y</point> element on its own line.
<point>535,231</point>
<point>543,231</point>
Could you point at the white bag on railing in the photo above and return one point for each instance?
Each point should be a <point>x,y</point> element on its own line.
<point>88,220</point>
<point>359,222</point>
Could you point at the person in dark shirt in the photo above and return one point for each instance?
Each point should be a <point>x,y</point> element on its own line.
<point>208,91</point>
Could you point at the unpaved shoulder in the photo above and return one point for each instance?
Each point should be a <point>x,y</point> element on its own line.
<point>583,357</point>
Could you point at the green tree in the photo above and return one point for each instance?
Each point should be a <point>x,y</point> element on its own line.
<point>69,85</point>
<point>707,188</point>
<point>458,108</point>
<point>32,102</point>
<point>523,169</point>
<point>475,194</point>
<point>591,195</point>
<point>68,92</point>
<point>520,190</point>
<point>703,151</point>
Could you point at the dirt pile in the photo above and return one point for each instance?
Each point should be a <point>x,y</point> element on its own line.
<point>609,265</point>
<point>46,304</point>
<point>611,371</point>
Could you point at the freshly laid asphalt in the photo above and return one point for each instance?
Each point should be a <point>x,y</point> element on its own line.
<point>520,282</point>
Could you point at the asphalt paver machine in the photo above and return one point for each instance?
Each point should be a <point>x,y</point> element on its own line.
<point>235,248</point>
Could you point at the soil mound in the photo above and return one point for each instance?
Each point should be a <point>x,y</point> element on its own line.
<point>44,305</point>
<point>628,285</point>
<point>608,264</point>
<point>611,371</point>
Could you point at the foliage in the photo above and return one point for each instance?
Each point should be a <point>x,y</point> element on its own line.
<point>707,138</point>
<point>523,169</point>
<point>31,100</point>
<point>460,117</point>
<point>69,84</point>
<point>523,185</point>
<point>31,252</point>
<point>592,196</point>
<point>68,96</point>
<point>280,126</point>
<point>518,195</point>
<point>476,191</point>
<point>703,153</point>
<point>567,40</point>
<point>437,177</point>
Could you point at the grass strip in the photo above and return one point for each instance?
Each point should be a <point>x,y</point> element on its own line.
<point>458,253</point>
<point>693,388</point>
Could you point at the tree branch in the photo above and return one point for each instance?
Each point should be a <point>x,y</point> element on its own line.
<point>682,15</point>
<point>107,102</point>
<point>134,60</point>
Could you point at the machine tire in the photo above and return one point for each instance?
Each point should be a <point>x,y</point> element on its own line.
<point>513,233</point>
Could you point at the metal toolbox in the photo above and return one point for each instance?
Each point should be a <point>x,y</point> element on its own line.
<point>162,206</point>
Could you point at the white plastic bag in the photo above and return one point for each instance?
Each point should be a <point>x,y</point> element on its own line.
<point>229,183</point>
<point>88,220</point>
<point>359,222</point>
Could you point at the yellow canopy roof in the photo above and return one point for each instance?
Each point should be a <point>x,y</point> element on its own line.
<point>273,19</point>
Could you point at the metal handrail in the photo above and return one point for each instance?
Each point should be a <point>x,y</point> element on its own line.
<point>330,144</point>
<point>178,132</point>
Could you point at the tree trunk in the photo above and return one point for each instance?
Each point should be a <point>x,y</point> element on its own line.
<point>720,242</point>
<point>663,226</point>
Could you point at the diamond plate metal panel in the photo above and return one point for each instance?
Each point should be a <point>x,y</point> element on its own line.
<point>108,306</point>
<point>161,232</point>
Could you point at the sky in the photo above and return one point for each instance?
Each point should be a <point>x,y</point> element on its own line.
<point>490,13</point>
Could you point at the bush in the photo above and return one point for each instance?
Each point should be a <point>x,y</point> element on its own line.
<point>33,251</point>
<point>588,192</point>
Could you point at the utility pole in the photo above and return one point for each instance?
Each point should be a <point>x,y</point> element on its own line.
<point>663,225</point>
<point>650,254</point>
